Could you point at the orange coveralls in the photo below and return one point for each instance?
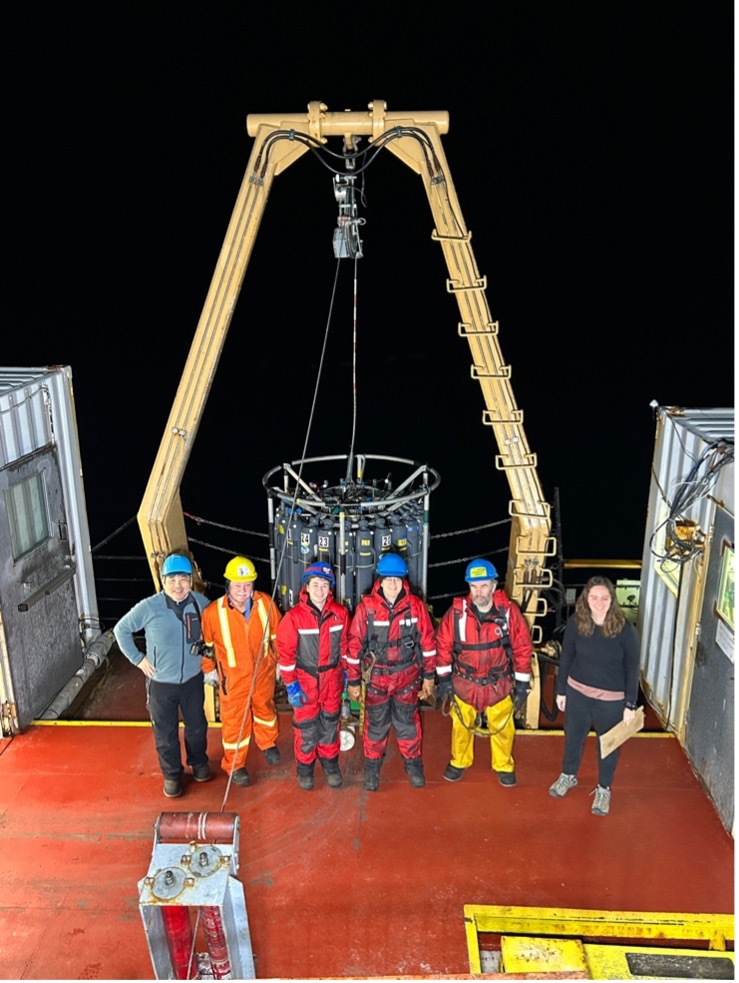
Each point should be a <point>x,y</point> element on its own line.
<point>238,643</point>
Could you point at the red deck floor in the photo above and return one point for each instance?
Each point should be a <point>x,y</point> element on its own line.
<point>341,882</point>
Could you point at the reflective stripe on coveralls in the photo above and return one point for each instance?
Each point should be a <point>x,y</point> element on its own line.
<point>226,631</point>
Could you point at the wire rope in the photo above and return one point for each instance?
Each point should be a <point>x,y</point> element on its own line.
<point>308,431</point>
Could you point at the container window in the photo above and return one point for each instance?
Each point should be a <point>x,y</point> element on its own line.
<point>28,514</point>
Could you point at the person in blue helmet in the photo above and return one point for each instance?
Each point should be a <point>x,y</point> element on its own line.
<point>171,622</point>
<point>311,651</point>
<point>392,646</point>
<point>483,665</point>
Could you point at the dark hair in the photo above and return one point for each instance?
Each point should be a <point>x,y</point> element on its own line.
<point>615,618</point>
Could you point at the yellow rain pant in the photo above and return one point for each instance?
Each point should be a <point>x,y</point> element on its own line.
<point>502,730</point>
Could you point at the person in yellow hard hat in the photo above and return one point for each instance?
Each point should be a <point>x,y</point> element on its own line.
<point>239,630</point>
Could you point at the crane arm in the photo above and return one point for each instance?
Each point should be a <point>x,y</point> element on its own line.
<point>415,138</point>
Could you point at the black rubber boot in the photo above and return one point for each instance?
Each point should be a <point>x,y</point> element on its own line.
<point>414,767</point>
<point>305,776</point>
<point>372,773</point>
<point>331,768</point>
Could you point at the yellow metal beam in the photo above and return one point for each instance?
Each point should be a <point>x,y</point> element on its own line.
<point>530,542</point>
<point>160,517</point>
<point>715,929</point>
<point>598,563</point>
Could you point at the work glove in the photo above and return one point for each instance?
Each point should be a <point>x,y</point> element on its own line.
<point>446,687</point>
<point>295,694</point>
<point>519,694</point>
<point>211,678</point>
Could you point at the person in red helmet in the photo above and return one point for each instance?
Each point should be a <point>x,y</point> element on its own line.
<point>239,630</point>
<point>484,664</point>
<point>391,642</point>
<point>311,652</point>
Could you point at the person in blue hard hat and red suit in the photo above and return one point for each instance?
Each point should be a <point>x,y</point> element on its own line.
<point>311,653</point>
<point>171,622</point>
<point>391,643</point>
<point>483,664</point>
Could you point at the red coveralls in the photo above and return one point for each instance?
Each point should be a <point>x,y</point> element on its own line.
<point>311,649</point>
<point>238,644</point>
<point>401,637</point>
<point>471,648</point>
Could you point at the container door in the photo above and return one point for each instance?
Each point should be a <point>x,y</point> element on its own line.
<point>41,644</point>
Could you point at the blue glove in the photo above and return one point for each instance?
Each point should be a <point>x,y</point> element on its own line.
<point>446,687</point>
<point>295,695</point>
<point>520,693</point>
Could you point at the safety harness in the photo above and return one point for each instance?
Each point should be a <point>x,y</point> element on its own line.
<point>409,644</point>
<point>500,618</point>
<point>479,728</point>
<point>300,660</point>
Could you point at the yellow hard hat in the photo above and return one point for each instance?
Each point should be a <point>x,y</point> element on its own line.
<point>240,570</point>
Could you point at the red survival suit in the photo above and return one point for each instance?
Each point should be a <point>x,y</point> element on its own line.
<point>238,642</point>
<point>312,648</point>
<point>400,638</point>
<point>484,652</point>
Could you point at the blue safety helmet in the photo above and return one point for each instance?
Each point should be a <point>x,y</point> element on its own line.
<point>319,570</point>
<point>176,564</point>
<point>480,570</point>
<point>392,565</point>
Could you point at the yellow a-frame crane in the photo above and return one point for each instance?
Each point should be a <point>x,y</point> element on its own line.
<point>415,138</point>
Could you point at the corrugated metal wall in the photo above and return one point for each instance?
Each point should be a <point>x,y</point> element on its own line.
<point>24,415</point>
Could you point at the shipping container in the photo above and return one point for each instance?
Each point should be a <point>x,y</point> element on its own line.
<point>686,610</point>
<point>48,606</point>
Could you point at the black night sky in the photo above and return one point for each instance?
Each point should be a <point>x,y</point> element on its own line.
<point>590,146</point>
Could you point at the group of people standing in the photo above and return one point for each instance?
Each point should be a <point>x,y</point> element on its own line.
<point>385,657</point>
